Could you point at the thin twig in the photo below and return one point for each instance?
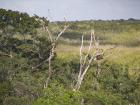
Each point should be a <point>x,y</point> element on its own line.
<point>81,58</point>
<point>65,27</point>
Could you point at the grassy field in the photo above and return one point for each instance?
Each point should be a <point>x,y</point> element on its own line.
<point>126,33</point>
<point>127,56</point>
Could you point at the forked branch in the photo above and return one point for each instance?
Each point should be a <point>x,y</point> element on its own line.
<point>53,41</point>
<point>86,60</point>
<point>52,52</point>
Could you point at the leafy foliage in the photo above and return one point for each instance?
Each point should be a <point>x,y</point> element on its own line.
<point>17,22</point>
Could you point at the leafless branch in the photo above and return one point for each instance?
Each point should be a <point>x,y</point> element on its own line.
<point>49,33</point>
<point>65,27</point>
<point>53,43</point>
<point>83,65</point>
<point>88,59</point>
<point>89,49</point>
<point>81,58</point>
<point>52,52</point>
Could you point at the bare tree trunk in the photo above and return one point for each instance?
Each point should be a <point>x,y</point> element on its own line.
<point>49,76</point>
<point>94,53</point>
<point>50,65</point>
<point>83,65</point>
<point>52,52</point>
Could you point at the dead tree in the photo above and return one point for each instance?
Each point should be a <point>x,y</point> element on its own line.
<point>93,54</point>
<point>52,52</point>
<point>53,47</point>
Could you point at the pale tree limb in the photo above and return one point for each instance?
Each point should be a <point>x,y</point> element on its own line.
<point>52,52</point>
<point>49,33</point>
<point>50,69</point>
<point>88,59</point>
<point>79,81</point>
<point>65,27</point>
<point>89,48</point>
<point>83,66</point>
<point>53,49</point>
<point>52,41</point>
<point>81,58</point>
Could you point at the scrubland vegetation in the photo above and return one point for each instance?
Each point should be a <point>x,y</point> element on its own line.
<point>24,45</point>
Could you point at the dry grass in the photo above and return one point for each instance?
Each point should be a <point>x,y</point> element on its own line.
<point>127,56</point>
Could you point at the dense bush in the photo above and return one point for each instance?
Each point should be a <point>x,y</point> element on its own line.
<point>17,22</point>
<point>116,79</point>
<point>58,95</point>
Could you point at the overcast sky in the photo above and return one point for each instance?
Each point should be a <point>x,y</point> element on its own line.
<point>77,9</point>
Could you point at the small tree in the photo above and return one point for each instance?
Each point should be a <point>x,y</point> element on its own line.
<point>87,59</point>
<point>53,47</point>
<point>94,53</point>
